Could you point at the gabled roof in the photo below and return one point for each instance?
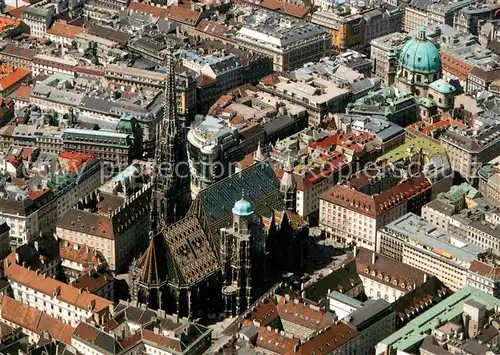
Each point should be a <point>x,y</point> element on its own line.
<point>183,15</point>
<point>31,319</point>
<point>152,262</point>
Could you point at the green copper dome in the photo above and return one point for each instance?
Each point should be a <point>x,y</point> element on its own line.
<point>243,208</point>
<point>420,55</point>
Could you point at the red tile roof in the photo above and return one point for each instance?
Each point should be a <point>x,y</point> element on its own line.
<point>8,23</point>
<point>183,15</point>
<point>64,30</point>
<point>273,341</point>
<point>73,162</point>
<point>485,270</point>
<point>10,76</point>
<point>22,93</point>
<point>327,342</point>
<point>17,12</point>
<point>216,29</point>
<point>376,204</point>
<point>264,313</point>
<point>20,52</point>
<point>80,254</point>
<point>286,8</point>
<point>302,314</point>
<point>50,286</point>
<point>387,270</point>
<point>34,320</point>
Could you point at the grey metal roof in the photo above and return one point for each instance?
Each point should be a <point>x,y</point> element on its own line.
<point>368,313</point>
<point>416,229</point>
<point>277,123</point>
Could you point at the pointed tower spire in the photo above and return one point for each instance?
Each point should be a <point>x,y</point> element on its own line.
<point>259,156</point>
<point>287,184</point>
<point>170,195</point>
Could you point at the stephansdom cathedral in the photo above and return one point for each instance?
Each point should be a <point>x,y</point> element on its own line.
<point>418,69</point>
<point>236,239</point>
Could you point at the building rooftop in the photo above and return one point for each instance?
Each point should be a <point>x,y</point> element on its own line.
<point>435,241</point>
<point>407,338</point>
<point>31,319</point>
<point>483,135</point>
<point>64,30</point>
<point>407,150</point>
<point>387,270</point>
<point>275,29</point>
<point>375,205</point>
<point>382,128</point>
<point>66,293</point>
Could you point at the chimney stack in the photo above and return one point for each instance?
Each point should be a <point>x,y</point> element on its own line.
<point>374,258</point>
<point>355,251</point>
<point>425,277</point>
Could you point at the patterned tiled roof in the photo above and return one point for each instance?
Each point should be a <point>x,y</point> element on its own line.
<point>190,255</point>
<point>258,182</point>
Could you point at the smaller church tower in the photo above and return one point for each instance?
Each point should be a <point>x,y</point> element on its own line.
<point>287,185</point>
<point>259,155</point>
<point>241,250</point>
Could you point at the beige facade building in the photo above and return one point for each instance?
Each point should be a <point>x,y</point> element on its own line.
<point>352,216</point>
<point>289,42</point>
<point>385,278</point>
<point>415,242</point>
<point>55,298</point>
<point>469,148</point>
<point>118,230</point>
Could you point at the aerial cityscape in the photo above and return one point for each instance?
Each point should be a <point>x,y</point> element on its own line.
<point>249,177</point>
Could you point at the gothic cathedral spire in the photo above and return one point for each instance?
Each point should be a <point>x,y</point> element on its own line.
<point>170,173</point>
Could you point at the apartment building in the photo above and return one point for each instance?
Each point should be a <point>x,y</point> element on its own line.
<point>321,88</point>
<point>47,138</point>
<point>33,322</point>
<point>57,299</point>
<point>18,56</point>
<point>415,242</point>
<point>352,216</point>
<point>460,56</point>
<point>4,239</point>
<point>428,13</point>
<point>453,324</point>
<point>115,149</point>
<point>79,177</point>
<point>38,17</point>
<point>385,278</point>
<point>484,275</point>
<point>468,148</point>
<point>27,214</point>
<point>422,155</point>
<point>439,211</point>
<point>118,229</point>
<point>374,321</point>
<point>78,259</point>
<point>383,51</point>
<point>291,43</point>
<point>302,320</point>
<point>489,183</point>
<point>137,330</point>
<point>389,135</point>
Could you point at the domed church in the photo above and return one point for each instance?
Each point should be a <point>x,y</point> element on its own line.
<point>419,70</point>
